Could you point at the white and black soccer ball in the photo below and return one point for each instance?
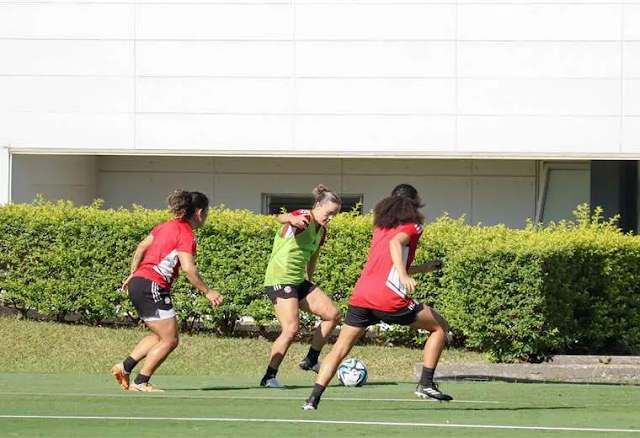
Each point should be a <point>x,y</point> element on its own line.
<point>353,372</point>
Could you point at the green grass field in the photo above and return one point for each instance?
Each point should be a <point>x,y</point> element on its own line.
<point>54,382</point>
<point>93,405</point>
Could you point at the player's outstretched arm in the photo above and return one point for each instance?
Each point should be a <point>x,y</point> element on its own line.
<point>428,266</point>
<point>188,266</point>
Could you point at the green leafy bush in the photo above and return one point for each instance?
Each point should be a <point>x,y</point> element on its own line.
<point>517,294</point>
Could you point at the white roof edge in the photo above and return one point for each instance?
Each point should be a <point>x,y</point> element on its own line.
<point>334,154</point>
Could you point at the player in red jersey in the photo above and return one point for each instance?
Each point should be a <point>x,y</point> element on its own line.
<point>169,247</point>
<point>382,292</point>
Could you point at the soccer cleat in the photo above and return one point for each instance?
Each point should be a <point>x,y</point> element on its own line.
<point>271,382</point>
<point>121,375</point>
<point>307,365</point>
<point>144,387</point>
<point>311,404</point>
<point>431,391</point>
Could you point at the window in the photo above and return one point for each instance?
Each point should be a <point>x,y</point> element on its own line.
<point>273,204</point>
<point>563,186</point>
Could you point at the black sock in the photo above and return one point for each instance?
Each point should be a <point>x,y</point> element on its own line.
<point>129,364</point>
<point>317,391</point>
<point>271,373</point>
<point>313,355</point>
<point>141,378</point>
<point>426,379</point>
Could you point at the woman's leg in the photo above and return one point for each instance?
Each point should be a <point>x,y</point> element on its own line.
<point>438,327</point>
<point>286,310</point>
<point>166,332</point>
<point>320,305</point>
<point>348,337</point>
<point>122,370</point>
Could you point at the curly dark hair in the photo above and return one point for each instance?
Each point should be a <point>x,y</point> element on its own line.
<point>402,207</point>
<point>183,204</point>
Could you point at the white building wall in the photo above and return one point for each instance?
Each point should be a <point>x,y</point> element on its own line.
<point>55,177</point>
<point>487,191</point>
<point>426,78</point>
<point>5,175</point>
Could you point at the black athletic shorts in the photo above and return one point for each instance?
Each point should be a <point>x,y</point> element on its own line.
<point>299,291</point>
<point>363,317</point>
<point>151,301</point>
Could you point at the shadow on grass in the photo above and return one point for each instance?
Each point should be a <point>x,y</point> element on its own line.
<point>487,408</point>
<point>286,387</point>
<point>489,378</point>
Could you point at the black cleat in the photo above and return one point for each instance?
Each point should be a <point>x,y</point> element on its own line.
<point>311,404</point>
<point>431,391</point>
<point>307,365</point>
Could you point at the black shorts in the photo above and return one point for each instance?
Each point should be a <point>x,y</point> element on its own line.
<point>299,291</point>
<point>151,301</point>
<point>362,317</point>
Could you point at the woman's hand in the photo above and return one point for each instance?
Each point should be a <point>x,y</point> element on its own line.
<point>408,283</point>
<point>300,222</point>
<point>214,297</point>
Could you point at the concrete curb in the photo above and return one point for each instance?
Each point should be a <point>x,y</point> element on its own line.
<point>570,369</point>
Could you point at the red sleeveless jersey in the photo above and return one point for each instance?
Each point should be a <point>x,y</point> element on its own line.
<point>379,284</point>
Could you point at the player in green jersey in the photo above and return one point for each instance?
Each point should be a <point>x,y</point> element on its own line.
<point>289,280</point>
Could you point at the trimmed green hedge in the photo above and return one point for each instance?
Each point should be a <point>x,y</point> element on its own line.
<point>516,294</point>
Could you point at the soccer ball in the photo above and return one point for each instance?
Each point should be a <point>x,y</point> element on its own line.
<point>353,372</point>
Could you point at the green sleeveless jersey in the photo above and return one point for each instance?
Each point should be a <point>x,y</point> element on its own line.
<point>292,250</point>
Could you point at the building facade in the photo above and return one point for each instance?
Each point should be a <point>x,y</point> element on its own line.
<point>498,110</point>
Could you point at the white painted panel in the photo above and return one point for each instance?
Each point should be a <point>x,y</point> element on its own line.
<point>401,168</point>
<point>631,96</point>
<point>79,195</point>
<point>566,189</point>
<point>60,57</point>
<point>632,60</point>
<point>245,191</point>
<point>73,21</point>
<point>391,21</point>
<point>371,134</point>
<point>208,58</point>
<point>539,134</point>
<point>174,164</point>
<point>214,21</point>
<point>557,97</point>
<point>375,59</point>
<point>631,18</point>
<point>440,193</point>
<point>268,165</point>
<point>68,177</point>
<point>211,132</point>
<point>5,175</point>
<point>215,95</point>
<point>631,135</point>
<point>148,189</point>
<point>517,22</point>
<point>503,200</point>
<point>67,131</point>
<point>90,94</point>
<point>504,167</point>
<point>539,59</point>
<point>55,169</point>
<point>375,96</point>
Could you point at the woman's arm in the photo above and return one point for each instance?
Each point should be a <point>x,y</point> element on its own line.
<point>298,221</point>
<point>428,266</point>
<point>188,266</point>
<point>138,255</point>
<point>395,248</point>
